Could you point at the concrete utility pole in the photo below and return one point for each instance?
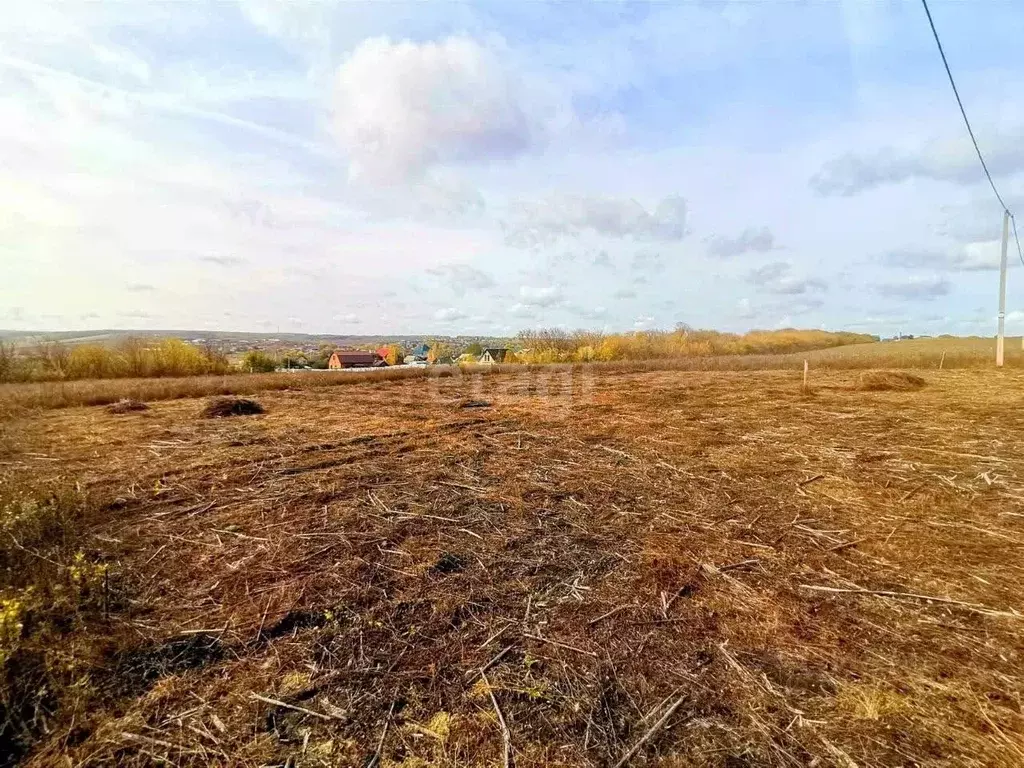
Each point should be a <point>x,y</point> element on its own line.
<point>1002,290</point>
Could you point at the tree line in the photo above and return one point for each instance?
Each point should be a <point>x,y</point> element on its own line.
<point>554,345</point>
<point>138,358</point>
<point>128,358</point>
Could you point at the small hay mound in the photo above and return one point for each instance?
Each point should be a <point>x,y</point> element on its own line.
<point>889,381</point>
<point>231,406</point>
<point>127,405</point>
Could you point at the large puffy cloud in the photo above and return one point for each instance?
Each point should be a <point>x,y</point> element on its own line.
<point>950,160</point>
<point>401,107</point>
<point>759,240</point>
<point>532,224</point>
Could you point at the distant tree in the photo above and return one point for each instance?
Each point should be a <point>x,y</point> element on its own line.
<point>136,361</point>
<point>217,360</point>
<point>54,356</point>
<point>94,361</point>
<point>258,361</point>
<point>439,352</point>
<point>8,361</point>
<point>323,354</point>
<point>395,354</point>
<point>476,349</point>
<point>293,359</point>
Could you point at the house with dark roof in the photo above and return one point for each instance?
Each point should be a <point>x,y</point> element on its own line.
<point>494,355</point>
<point>353,358</point>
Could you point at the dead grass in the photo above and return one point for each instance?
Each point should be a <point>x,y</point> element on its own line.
<point>127,405</point>
<point>699,569</point>
<point>219,407</point>
<point>889,381</point>
<point>952,353</point>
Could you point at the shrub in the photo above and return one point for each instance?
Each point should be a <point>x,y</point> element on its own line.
<point>257,361</point>
<point>53,592</point>
<point>557,346</point>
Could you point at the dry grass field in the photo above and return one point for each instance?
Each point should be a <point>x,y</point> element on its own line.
<point>589,568</point>
<point>947,353</point>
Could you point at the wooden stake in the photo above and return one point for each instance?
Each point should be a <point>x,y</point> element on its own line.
<point>506,737</point>
<point>650,733</point>
<point>285,705</point>
<point>805,376</point>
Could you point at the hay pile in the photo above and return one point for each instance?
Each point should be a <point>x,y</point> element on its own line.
<point>889,381</point>
<point>127,405</point>
<point>231,406</point>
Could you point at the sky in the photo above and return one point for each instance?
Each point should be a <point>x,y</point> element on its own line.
<point>482,168</point>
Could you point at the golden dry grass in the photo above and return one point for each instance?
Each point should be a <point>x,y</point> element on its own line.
<point>889,381</point>
<point>829,579</point>
<point>948,352</point>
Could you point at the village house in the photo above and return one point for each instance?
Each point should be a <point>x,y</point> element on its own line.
<point>353,358</point>
<point>494,355</point>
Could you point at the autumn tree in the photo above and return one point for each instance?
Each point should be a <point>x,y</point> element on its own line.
<point>439,352</point>
<point>258,361</point>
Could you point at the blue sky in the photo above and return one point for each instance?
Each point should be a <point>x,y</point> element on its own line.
<point>481,168</point>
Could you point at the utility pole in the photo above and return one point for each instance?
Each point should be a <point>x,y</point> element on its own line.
<point>1002,289</point>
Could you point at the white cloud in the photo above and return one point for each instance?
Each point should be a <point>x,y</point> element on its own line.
<point>545,296</point>
<point>648,262</point>
<point>449,314</point>
<point>915,287</point>
<point>768,273</point>
<point>522,310</point>
<point>948,159</point>
<point>776,278</point>
<point>401,107</point>
<point>971,257</point>
<point>589,313</point>
<point>462,278</point>
<point>751,239</point>
<point>532,224</point>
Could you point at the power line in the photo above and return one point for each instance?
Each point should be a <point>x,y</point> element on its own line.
<point>963,112</point>
<point>960,103</point>
<point>1013,220</point>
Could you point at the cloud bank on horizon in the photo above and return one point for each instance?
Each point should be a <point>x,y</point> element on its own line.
<point>350,167</point>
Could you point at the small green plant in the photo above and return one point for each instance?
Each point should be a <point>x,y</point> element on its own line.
<point>88,579</point>
<point>12,614</point>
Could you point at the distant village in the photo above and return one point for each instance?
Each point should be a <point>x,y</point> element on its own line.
<point>423,354</point>
<point>327,356</point>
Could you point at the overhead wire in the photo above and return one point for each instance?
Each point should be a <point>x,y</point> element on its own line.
<point>960,103</point>
<point>1013,220</point>
<point>970,131</point>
